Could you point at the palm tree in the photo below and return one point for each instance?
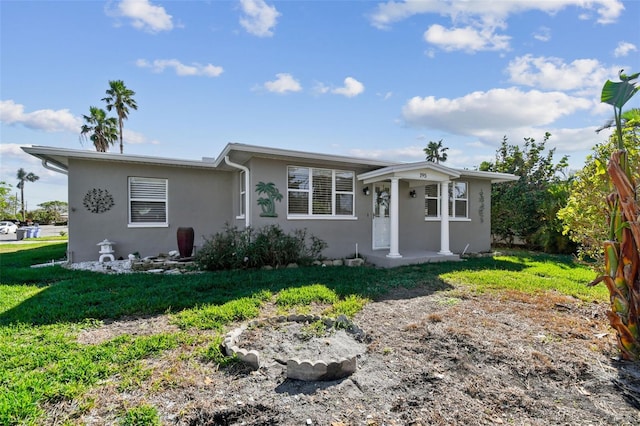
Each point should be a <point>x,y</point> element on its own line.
<point>23,177</point>
<point>102,130</point>
<point>436,152</point>
<point>121,99</point>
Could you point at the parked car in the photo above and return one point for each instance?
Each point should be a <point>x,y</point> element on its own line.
<point>7,227</point>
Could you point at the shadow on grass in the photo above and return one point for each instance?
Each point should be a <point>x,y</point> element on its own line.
<point>74,296</point>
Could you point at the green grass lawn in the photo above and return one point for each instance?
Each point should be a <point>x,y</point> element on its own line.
<point>42,310</point>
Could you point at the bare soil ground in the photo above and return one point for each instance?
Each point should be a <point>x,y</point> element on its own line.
<point>444,358</point>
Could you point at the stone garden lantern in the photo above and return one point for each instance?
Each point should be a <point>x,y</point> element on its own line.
<point>106,251</point>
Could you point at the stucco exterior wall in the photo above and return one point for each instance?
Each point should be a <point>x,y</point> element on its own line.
<point>197,198</point>
<point>341,234</point>
<point>416,233</point>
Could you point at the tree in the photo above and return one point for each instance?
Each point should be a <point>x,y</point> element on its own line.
<point>99,129</point>
<point>436,152</point>
<point>121,99</point>
<point>52,211</point>
<point>525,209</point>
<point>585,217</point>
<point>23,177</point>
<point>8,202</point>
<point>622,249</point>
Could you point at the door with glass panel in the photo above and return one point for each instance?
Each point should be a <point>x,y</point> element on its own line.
<point>381,219</point>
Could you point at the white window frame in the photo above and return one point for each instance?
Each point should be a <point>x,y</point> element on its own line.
<point>452,202</point>
<point>334,193</point>
<point>243,192</point>
<point>164,200</point>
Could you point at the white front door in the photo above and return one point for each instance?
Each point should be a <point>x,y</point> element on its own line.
<point>381,219</point>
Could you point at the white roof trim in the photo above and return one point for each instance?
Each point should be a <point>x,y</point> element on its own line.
<point>277,152</point>
<point>61,156</point>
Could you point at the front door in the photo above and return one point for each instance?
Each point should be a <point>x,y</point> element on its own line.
<point>381,220</point>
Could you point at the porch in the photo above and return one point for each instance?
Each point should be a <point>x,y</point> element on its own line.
<point>381,259</point>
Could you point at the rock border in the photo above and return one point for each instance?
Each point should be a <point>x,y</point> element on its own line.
<point>305,369</point>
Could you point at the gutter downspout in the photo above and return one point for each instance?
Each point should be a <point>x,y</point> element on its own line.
<point>247,204</point>
<point>48,166</point>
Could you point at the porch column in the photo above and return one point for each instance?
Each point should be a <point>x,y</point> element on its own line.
<point>394,217</point>
<point>444,218</point>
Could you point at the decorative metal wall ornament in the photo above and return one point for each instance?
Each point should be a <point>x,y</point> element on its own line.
<point>98,200</point>
<point>268,204</point>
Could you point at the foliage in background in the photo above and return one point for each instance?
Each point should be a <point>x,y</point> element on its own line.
<point>49,212</point>
<point>8,202</point>
<point>248,248</point>
<point>99,129</point>
<point>526,209</point>
<point>23,177</point>
<point>120,98</point>
<point>435,152</point>
<point>622,249</point>
<point>585,216</point>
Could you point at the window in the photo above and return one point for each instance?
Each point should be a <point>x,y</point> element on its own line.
<point>458,200</point>
<point>319,192</point>
<point>147,202</point>
<point>243,193</point>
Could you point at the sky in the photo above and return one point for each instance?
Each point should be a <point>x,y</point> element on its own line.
<point>372,79</point>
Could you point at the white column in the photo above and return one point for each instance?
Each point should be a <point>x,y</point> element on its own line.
<point>444,218</point>
<point>394,217</point>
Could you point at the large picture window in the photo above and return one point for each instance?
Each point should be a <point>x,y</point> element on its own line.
<point>147,201</point>
<point>458,200</point>
<point>319,192</point>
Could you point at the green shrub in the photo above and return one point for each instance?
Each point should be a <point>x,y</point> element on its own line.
<point>142,415</point>
<point>248,248</point>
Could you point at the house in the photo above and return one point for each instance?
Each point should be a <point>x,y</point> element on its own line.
<point>392,213</point>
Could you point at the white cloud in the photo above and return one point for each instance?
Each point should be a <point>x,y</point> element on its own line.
<point>624,48</point>
<point>468,39</point>
<point>283,83</point>
<point>474,23</point>
<point>542,34</point>
<point>554,74</point>
<point>47,120</point>
<point>483,114</point>
<point>405,153</point>
<point>144,15</point>
<point>351,88</point>
<point>195,69</point>
<point>394,11</point>
<point>259,18</point>
<point>136,138</point>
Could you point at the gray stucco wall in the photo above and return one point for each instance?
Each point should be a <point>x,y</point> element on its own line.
<point>341,235</point>
<point>196,198</point>
<point>207,200</point>
<point>416,233</point>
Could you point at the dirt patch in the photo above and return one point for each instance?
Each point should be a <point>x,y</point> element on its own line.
<point>439,359</point>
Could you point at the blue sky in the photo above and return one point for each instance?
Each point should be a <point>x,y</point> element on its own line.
<point>361,78</point>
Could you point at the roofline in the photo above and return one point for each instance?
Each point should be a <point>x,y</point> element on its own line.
<point>49,153</point>
<point>278,152</point>
<point>410,166</point>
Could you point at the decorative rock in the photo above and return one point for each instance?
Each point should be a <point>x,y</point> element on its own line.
<point>156,271</point>
<point>354,262</point>
<point>292,266</point>
<point>338,262</point>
